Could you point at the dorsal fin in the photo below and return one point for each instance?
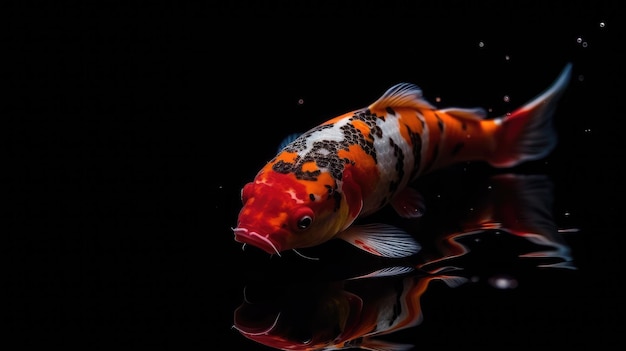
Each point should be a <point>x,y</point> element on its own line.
<point>466,113</point>
<point>402,95</point>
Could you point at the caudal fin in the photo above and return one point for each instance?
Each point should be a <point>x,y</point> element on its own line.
<point>528,133</point>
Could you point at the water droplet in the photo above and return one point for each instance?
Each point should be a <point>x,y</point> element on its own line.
<point>506,98</point>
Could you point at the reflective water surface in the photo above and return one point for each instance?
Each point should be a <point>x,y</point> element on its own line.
<point>500,235</point>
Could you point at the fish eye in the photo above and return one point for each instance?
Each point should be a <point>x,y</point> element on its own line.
<point>304,222</point>
<point>302,218</point>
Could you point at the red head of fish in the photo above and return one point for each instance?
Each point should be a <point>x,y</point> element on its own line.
<point>282,211</point>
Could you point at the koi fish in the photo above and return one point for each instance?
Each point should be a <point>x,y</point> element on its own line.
<point>355,164</point>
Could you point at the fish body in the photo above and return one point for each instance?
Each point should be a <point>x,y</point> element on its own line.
<point>357,163</point>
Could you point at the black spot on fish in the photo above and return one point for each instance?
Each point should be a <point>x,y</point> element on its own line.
<point>283,167</point>
<point>376,131</point>
<point>337,196</point>
<point>312,197</point>
<point>399,167</point>
<point>329,188</point>
<point>299,144</point>
<point>416,149</point>
<point>439,123</point>
<point>463,125</point>
<point>331,191</point>
<point>357,138</point>
<point>390,111</point>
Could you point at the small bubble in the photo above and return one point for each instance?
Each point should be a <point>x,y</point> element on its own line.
<point>584,44</point>
<point>506,98</point>
<point>437,99</point>
<point>481,44</point>
<point>567,214</point>
<point>300,101</point>
<point>507,57</point>
<point>587,130</point>
<point>579,40</point>
<point>602,24</point>
<point>581,77</point>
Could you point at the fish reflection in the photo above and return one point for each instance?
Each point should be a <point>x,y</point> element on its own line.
<point>335,315</point>
<point>510,228</point>
<point>519,206</point>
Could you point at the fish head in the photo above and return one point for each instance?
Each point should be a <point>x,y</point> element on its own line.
<point>282,212</point>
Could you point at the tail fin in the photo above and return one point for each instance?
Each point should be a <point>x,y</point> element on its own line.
<point>527,133</point>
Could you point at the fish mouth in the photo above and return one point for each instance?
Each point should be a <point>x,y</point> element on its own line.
<point>243,235</point>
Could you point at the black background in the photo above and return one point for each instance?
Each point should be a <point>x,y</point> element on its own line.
<point>137,123</point>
